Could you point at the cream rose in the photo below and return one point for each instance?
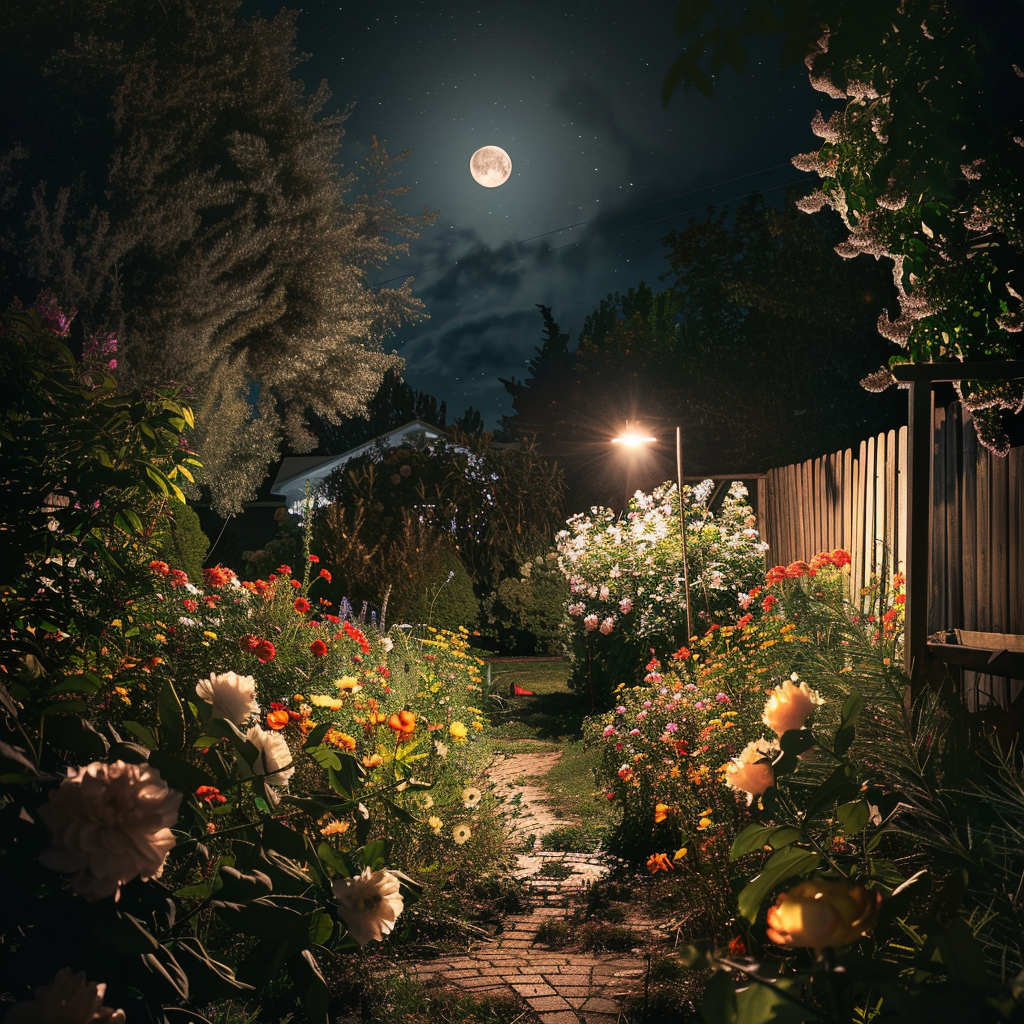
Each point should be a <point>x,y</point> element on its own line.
<point>788,706</point>
<point>233,697</point>
<point>751,771</point>
<point>110,823</point>
<point>68,999</point>
<point>369,904</point>
<point>275,757</point>
<point>818,914</point>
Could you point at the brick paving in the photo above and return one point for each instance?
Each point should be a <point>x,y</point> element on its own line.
<point>560,988</point>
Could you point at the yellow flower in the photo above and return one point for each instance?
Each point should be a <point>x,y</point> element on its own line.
<point>704,823</point>
<point>212,636</point>
<point>471,797</point>
<point>334,828</point>
<point>435,824</point>
<point>679,854</point>
<point>461,834</point>
<point>478,726</point>
<point>348,683</point>
<point>323,701</point>
<point>658,862</point>
<point>457,731</point>
<point>661,813</point>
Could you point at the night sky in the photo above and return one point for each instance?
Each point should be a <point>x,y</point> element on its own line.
<point>601,170</point>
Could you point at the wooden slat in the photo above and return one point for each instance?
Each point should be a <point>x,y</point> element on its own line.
<point>846,537</point>
<point>939,541</point>
<point>868,538</point>
<point>891,462</point>
<point>953,602</point>
<point>901,542</point>
<point>857,539</point>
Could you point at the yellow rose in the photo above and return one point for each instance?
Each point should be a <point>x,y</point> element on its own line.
<point>816,914</point>
<point>751,772</point>
<point>789,705</point>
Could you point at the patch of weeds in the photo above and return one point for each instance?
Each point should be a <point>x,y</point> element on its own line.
<point>555,869</point>
<point>555,934</point>
<point>596,936</point>
<point>673,995</point>
<point>573,839</point>
<point>613,915</point>
<point>397,999</point>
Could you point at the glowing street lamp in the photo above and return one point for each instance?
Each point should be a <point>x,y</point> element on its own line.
<point>634,439</point>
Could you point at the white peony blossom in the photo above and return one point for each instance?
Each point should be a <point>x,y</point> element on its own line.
<point>233,697</point>
<point>369,904</point>
<point>275,758</point>
<point>68,999</point>
<point>110,823</point>
<point>751,772</point>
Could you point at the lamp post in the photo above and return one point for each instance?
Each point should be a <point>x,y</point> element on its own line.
<point>633,439</point>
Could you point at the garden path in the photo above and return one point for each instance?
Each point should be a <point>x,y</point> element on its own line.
<point>560,987</point>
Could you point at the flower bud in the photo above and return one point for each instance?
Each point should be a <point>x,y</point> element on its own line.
<point>816,914</point>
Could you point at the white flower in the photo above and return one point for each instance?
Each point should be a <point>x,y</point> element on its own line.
<point>388,644</point>
<point>369,904</point>
<point>233,697</point>
<point>68,999</point>
<point>471,797</point>
<point>751,772</point>
<point>788,706</point>
<point>274,762</point>
<point>110,823</point>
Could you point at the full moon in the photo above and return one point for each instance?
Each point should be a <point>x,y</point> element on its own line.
<point>490,166</point>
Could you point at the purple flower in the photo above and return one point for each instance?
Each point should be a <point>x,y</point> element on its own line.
<point>620,710</point>
<point>671,727</point>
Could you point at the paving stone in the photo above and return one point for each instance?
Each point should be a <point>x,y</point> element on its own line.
<point>560,1017</point>
<point>533,990</point>
<point>601,1005</point>
<point>543,1003</point>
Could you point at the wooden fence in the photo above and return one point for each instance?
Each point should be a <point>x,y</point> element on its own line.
<point>857,499</point>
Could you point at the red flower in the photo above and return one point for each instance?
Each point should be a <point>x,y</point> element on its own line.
<point>682,654</point>
<point>218,576</point>
<point>403,723</point>
<point>319,649</point>
<point>301,605</point>
<point>190,604</point>
<point>160,567</point>
<point>745,620</point>
<point>284,570</point>
<point>841,558</point>
<point>211,600</point>
<point>332,618</point>
<point>266,651</point>
<point>249,643</point>
<point>314,559</point>
<point>295,583</point>
<point>358,636</point>
<point>769,602</point>
<point>210,795</point>
<point>326,575</point>
<point>776,574</point>
<point>278,719</point>
<point>178,578</point>
<point>796,569</point>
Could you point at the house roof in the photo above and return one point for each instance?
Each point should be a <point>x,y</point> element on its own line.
<point>295,471</point>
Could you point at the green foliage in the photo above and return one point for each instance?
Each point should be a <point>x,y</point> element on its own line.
<point>922,162</point>
<point>446,599</point>
<point>180,540</point>
<point>85,470</point>
<point>525,612</point>
<point>193,203</point>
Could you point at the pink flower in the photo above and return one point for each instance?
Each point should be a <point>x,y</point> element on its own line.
<point>625,606</point>
<point>590,622</point>
<point>609,730</point>
<point>607,625</point>
<point>788,706</point>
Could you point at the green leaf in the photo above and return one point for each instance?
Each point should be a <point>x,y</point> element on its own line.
<point>754,837</point>
<point>178,773</point>
<point>310,985</point>
<point>839,787</point>
<point>775,1002</point>
<point>334,860</point>
<point>284,840</point>
<point>315,738</point>
<point>854,816</point>
<point>77,734</point>
<point>320,928</point>
<point>325,756</point>
<point>963,955</point>
<point>142,733</point>
<point>171,717</point>
<point>847,731</point>
<point>781,865</point>
<point>719,1005</point>
<point>373,855</point>
<point>209,980</point>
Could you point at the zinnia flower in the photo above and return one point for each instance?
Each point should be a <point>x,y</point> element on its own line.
<point>461,834</point>
<point>816,914</point>
<point>403,724</point>
<point>301,605</point>
<point>274,760</point>
<point>369,904</point>
<point>471,797</point>
<point>233,697</point>
<point>318,649</point>
<point>218,576</point>
<point>110,823</point>
<point>789,705</point>
<point>751,772</point>
<point>265,651</point>
<point>68,999</point>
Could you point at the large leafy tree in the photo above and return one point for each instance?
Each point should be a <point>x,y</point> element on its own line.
<point>922,157</point>
<point>168,176</point>
<point>754,352</point>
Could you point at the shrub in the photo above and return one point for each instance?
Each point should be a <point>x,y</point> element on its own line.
<point>525,612</point>
<point>626,579</point>
<point>181,540</point>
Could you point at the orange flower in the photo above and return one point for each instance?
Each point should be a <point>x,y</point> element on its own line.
<point>341,740</point>
<point>278,719</point>
<point>661,813</point>
<point>816,914</point>
<point>658,862</point>
<point>404,723</point>
<point>218,576</point>
<point>372,760</point>
<point>334,828</point>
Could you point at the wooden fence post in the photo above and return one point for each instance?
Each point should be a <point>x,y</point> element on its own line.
<point>919,458</point>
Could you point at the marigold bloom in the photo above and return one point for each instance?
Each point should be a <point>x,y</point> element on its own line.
<point>816,914</point>
<point>658,862</point>
<point>318,649</point>
<point>457,731</point>
<point>277,719</point>
<point>403,724</point>
<point>341,740</point>
<point>348,683</point>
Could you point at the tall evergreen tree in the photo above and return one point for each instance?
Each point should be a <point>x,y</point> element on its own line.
<point>191,204</point>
